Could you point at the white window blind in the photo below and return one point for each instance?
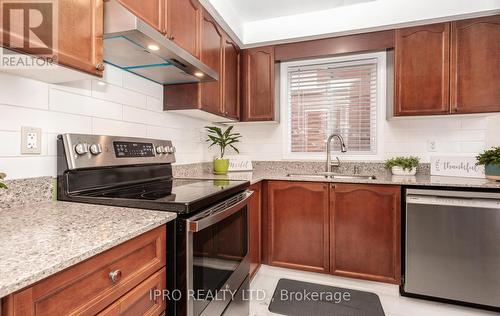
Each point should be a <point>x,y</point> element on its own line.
<point>335,97</point>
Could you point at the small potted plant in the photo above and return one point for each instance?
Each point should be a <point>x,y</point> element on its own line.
<point>403,166</point>
<point>2,185</point>
<point>223,139</point>
<point>491,160</point>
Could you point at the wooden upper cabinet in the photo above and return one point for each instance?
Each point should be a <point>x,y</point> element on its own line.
<point>365,231</point>
<point>422,70</point>
<point>255,228</point>
<point>258,84</point>
<point>150,11</point>
<point>183,24</point>
<point>298,235</point>
<point>211,55</point>
<point>231,79</point>
<point>81,44</point>
<point>475,65</point>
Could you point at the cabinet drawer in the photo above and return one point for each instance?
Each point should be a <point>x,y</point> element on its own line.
<point>87,288</point>
<point>138,301</point>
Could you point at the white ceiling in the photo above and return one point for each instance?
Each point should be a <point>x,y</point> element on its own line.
<point>259,22</point>
<point>254,10</point>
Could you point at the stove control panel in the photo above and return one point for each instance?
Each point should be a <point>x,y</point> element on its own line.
<point>91,151</point>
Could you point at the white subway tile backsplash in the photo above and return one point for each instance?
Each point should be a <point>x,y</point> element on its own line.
<point>23,92</point>
<point>154,104</point>
<point>113,75</point>
<point>28,166</point>
<point>472,147</point>
<point>142,85</point>
<point>132,114</point>
<point>118,128</point>
<point>13,118</point>
<point>11,144</point>
<point>117,94</point>
<point>83,87</point>
<point>62,101</point>
<point>124,105</point>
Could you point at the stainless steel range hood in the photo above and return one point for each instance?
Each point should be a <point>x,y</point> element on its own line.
<point>133,45</point>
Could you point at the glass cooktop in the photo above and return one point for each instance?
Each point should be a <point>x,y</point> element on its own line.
<point>183,191</point>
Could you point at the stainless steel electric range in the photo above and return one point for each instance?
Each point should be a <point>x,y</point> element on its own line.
<point>207,244</point>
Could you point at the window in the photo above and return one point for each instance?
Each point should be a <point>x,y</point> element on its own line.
<point>335,95</point>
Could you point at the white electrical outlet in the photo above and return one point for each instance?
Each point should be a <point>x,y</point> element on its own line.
<point>31,140</point>
<point>431,146</point>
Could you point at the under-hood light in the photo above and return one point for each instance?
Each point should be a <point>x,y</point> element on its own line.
<point>199,74</point>
<point>153,47</point>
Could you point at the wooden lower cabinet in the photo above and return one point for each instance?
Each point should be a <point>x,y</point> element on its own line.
<point>138,301</point>
<point>298,235</point>
<point>365,231</point>
<point>255,228</point>
<point>87,288</point>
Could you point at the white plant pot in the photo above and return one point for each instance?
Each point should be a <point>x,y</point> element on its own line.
<point>399,171</point>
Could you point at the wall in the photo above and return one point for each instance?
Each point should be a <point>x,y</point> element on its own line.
<point>454,135</point>
<point>126,105</point>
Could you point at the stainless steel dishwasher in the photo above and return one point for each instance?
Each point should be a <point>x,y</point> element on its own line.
<point>452,247</point>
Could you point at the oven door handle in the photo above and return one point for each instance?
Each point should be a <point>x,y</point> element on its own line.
<point>211,219</point>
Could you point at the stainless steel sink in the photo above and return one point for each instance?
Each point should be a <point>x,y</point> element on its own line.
<point>329,175</point>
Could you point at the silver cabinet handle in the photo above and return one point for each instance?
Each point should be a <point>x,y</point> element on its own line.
<point>115,276</point>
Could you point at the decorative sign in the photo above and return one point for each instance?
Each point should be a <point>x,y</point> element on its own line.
<point>456,166</point>
<point>240,163</point>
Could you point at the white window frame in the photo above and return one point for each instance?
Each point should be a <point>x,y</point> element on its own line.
<point>380,108</point>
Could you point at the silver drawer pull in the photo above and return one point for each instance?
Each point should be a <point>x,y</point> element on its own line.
<point>115,276</point>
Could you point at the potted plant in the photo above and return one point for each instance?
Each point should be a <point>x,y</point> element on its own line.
<point>2,185</point>
<point>223,139</point>
<point>491,160</point>
<point>403,166</point>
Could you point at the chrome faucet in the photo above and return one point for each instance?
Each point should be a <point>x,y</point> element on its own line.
<point>329,164</point>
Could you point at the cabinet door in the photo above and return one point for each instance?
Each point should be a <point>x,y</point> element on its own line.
<point>183,24</point>
<point>231,79</point>
<point>80,44</point>
<point>422,70</point>
<point>138,301</point>
<point>258,84</point>
<point>298,225</point>
<point>475,65</point>
<point>255,224</point>
<point>365,237</point>
<point>211,55</point>
<point>150,11</point>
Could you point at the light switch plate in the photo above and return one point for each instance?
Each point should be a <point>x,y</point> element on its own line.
<point>31,140</point>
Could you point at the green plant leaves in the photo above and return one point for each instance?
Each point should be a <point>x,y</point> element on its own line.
<point>489,157</point>
<point>407,163</point>
<point>223,139</point>
<point>2,185</point>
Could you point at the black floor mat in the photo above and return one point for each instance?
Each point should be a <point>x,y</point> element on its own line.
<point>295,298</point>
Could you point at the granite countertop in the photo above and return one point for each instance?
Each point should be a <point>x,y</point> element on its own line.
<point>44,238</point>
<point>419,180</point>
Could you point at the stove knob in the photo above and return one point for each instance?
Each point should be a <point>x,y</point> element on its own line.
<point>82,148</point>
<point>169,149</point>
<point>95,149</point>
<point>160,149</point>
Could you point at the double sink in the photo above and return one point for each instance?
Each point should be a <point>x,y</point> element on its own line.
<point>331,175</point>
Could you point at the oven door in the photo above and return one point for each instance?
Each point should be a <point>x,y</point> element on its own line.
<point>217,261</point>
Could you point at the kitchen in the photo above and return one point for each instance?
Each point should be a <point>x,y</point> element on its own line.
<point>350,142</point>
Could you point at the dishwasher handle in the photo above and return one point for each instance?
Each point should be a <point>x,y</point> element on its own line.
<point>452,201</point>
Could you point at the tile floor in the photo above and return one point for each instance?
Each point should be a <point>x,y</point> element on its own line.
<point>394,304</point>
